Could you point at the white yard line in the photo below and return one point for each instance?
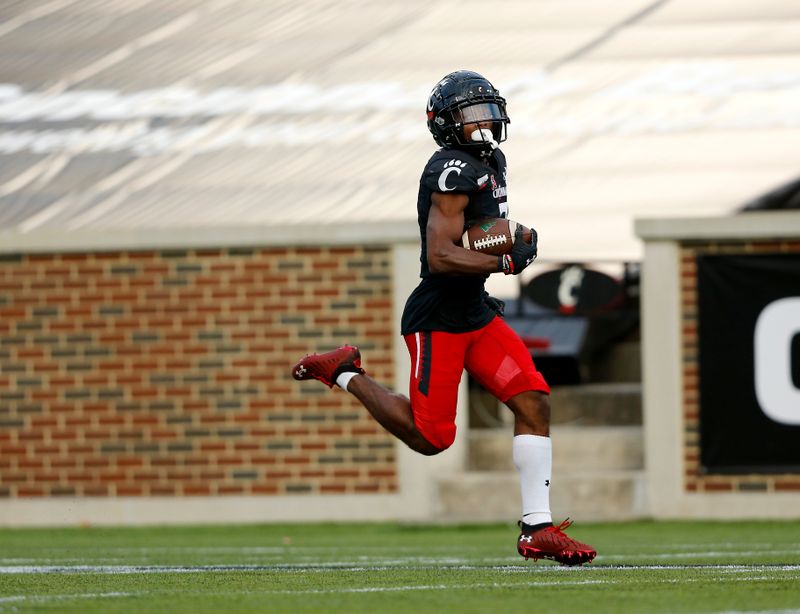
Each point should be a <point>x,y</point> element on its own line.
<point>346,567</point>
<point>46,598</point>
<point>688,549</point>
<point>435,587</point>
<point>691,555</point>
<point>366,589</point>
<point>379,589</point>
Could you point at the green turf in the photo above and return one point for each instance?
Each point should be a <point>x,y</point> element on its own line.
<point>642,567</point>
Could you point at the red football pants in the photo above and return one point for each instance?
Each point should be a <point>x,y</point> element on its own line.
<point>494,355</point>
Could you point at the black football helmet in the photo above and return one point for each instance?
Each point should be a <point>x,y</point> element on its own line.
<point>465,98</point>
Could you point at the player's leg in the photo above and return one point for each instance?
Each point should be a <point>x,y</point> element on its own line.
<point>429,427</point>
<point>532,452</point>
<point>502,364</point>
<point>437,364</point>
<point>533,456</point>
<point>392,411</point>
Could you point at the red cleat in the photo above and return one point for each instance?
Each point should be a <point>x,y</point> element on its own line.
<point>551,543</point>
<point>328,366</point>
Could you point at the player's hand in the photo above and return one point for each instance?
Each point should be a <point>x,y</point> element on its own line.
<point>522,253</point>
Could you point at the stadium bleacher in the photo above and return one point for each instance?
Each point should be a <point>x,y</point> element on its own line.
<point>143,114</point>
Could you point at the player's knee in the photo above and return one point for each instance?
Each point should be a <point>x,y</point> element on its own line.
<point>442,437</point>
<point>541,403</point>
<point>426,448</point>
<point>532,408</point>
<point>433,439</point>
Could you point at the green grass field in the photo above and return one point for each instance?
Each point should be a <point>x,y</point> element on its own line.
<point>641,567</point>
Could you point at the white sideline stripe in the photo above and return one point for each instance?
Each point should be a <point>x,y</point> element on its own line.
<point>436,587</point>
<point>347,567</point>
<point>319,591</point>
<point>276,555</point>
<point>690,555</point>
<point>44,598</point>
<point>374,589</point>
<point>687,550</point>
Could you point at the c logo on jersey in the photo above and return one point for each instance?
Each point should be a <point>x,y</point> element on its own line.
<point>453,166</point>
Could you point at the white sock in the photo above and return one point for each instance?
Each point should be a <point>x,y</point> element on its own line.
<point>533,456</point>
<point>344,379</point>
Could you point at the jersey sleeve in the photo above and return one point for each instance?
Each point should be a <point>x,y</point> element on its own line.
<point>453,173</point>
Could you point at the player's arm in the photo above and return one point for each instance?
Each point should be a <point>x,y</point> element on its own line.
<point>445,227</point>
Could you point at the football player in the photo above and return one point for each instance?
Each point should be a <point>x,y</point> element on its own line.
<point>450,323</point>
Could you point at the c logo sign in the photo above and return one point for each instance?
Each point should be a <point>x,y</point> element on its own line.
<point>776,327</point>
<point>443,177</point>
<point>453,166</point>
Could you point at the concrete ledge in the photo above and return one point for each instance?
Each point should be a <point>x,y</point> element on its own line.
<point>731,506</point>
<point>130,511</point>
<point>489,496</point>
<point>363,233</point>
<point>601,496</point>
<point>480,496</point>
<point>745,226</point>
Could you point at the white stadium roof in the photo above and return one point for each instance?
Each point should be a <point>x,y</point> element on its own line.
<point>151,114</point>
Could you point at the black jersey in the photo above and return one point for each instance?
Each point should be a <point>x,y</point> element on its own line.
<point>455,302</point>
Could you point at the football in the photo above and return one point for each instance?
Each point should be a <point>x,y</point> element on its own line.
<point>493,235</point>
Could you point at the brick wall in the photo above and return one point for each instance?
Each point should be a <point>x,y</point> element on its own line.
<point>694,479</point>
<point>168,373</point>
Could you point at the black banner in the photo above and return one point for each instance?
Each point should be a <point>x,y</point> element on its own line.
<point>749,359</point>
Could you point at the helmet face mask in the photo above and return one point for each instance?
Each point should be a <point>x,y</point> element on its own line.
<point>482,116</point>
<point>467,112</point>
